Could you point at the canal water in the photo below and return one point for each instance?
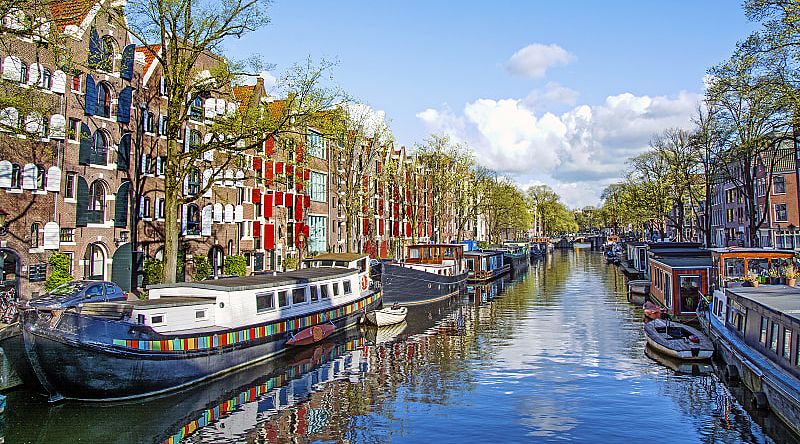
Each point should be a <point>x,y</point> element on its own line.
<point>556,354</point>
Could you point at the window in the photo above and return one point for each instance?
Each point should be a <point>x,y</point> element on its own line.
<point>95,263</point>
<point>317,234</point>
<point>195,139</point>
<point>347,287</point>
<point>193,182</point>
<point>16,176</point>
<point>76,83</point>
<point>299,296</point>
<point>774,338</point>
<point>157,319</point>
<point>323,291</point>
<point>106,49</point>
<point>159,208</point>
<point>71,257</point>
<point>46,79</point>
<point>147,122</point>
<point>23,72</point>
<point>103,106</point>
<point>144,207</point>
<point>314,293</point>
<point>67,235</point>
<point>315,144</point>
<point>162,125</point>
<point>283,300</point>
<point>192,220</point>
<point>778,185</point>
<point>35,235</point>
<point>97,202</point>
<point>780,213</point>
<point>318,187</point>
<point>290,232</point>
<point>41,177</point>
<point>200,314</point>
<point>787,344</point>
<point>74,130</point>
<point>265,302</point>
<point>336,289</point>
<point>162,86</point>
<point>69,187</point>
<point>196,109</point>
<point>99,149</point>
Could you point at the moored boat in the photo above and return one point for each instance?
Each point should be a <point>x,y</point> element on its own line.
<point>678,340</point>
<point>430,273</point>
<point>311,335</point>
<point>188,332</point>
<point>485,265</point>
<point>387,316</point>
<point>515,255</point>
<point>653,311</point>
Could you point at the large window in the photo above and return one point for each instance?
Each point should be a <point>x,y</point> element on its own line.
<point>99,152</point>
<point>193,220</point>
<point>193,182</point>
<point>298,295</point>
<point>319,187</point>
<point>778,185</point>
<point>774,337</point>
<point>317,234</point>
<point>35,235</point>
<point>265,302</point>
<point>94,263</point>
<point>97,202</point>
<point>103,108</point>
<point>689,292</point>
<point>780,213</point>
<point>315,144</point>
<point>787,343</point>
<point>763,337</point>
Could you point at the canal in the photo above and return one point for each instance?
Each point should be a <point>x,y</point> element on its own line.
<point>554,355</point>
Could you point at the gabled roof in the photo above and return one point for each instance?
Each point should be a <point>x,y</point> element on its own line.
<point>149,52</point>
<point>70,12</point>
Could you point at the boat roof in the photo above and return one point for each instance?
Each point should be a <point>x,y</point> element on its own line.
<point>483,253</point>
<point>436,245</point>
<point>172,301</point>
<point>348,257</point>
<point>297,277</point>
<point>778,298</point>
<point>684,261</point>
<point>750,250</point>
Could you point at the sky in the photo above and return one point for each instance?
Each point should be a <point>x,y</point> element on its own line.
<point>553,92</point>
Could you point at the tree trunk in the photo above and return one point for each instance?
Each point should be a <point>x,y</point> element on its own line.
<point>172,229</point>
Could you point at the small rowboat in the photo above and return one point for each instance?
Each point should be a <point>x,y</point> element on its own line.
<point>653,311</point>
<point>312,334</point>
<point>678,340</point>
<point>387,316</point>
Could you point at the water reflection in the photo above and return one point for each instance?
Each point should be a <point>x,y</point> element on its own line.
<point>553,354</point>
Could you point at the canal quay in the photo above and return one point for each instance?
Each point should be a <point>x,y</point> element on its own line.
<point>554,354</point>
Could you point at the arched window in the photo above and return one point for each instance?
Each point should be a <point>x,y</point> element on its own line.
<point>16,176</point>
<point>195,139</point>
<point>46,79</point>
<point>193,220</point>
<point>23,72</point>
<point>41,177</point>
<point>95,263</point>
<point>107,49</point>
<point>97,202</point>
<point>103,108</point>
<point>193,183</point>
<point>35,235</point>
<point>230,248</point>
<point>196,108</point>
<point>99,148</point>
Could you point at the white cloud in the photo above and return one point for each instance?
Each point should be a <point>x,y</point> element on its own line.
<point>535,59</point>
<point>578,152</point>
<point>552,94</point>
<point>370,121</point>
<point>269,80</point>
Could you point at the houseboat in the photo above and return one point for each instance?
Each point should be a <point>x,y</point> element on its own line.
<point>634,262</point>
<point>515,255</point>
<point>485,265</point>
<point>430,273</point>
<point>678,283</point>
<point>189,332</point>
<point>756,332</point>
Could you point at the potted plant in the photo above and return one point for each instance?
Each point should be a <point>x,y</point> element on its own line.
<point>773,276</point>
<point>750,280</point>
<point>791,276</point>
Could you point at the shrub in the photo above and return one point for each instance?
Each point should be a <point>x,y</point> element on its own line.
<point>290,263</point>
<point>153,271</point>
<point>235,265</point>
<point>59,271</point>
<point>202,268</point>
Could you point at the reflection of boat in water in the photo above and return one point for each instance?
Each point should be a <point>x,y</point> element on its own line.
<point>482,293</point>
<point>240,400</point>
<point>680,366</point>
<point>388,333</point>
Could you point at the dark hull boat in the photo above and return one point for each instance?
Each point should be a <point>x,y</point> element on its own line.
<point>408,286</point>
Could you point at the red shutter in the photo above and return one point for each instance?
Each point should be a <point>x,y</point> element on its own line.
<point>307,174</point>
<point>381,225</point>
<point>408,229</point>
<point>307,201</point>
<point>298,207</point>
<point>256,229</point>
<point>270,173</point>
<point>298,180</point>
<point>306,230</point>
<point>257,163</point>
<point>269,146</point>
<point>256,196</point>
<point>366,225</point>
<point>301,149</point>
<point>279,167</point>
<point>298,228</point>
<point>279,198</point>
<point>396,230</point>
<point>269,236</point>
<point>268,203</point>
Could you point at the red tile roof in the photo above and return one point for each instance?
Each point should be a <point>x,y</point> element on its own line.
<point>70,12</point>
<point>149,52</point>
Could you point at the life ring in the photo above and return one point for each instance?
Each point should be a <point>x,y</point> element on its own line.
<point>364,282</point>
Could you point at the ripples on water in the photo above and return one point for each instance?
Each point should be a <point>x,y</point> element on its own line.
<point>554,355</point>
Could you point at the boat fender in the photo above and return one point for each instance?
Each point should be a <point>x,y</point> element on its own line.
<point>731,373</point>
<point>759,400</point>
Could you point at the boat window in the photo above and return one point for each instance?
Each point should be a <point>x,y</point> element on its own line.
<point>348,289</point>
<point>763,338</point>
<point>448,252</point>
<point>362,265</point>
<point>797,351</point>
<point>470,264</point>
<point>689,292</point>
<point>667,289</point>
<point>323,291</point>
<point>413,253</point>
<point>734,267</point>
<point>787,344</point>
<point>265,302</point>
<point>342,264</point>
<point>774,338</point>
<point>758,265</point>
<point>299,295</point>
<point>200,314</point>
<point>336,289</point>
<point>314,293</point>
<point>283,300</point>
<point>158,319</point>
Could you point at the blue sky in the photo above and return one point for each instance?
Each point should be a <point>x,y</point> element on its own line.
<point>598,78</point>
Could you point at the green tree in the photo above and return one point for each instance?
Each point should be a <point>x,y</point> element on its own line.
<point>59,271</point>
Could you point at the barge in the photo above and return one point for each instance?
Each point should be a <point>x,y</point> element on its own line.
<point>430,273</point>
<point>485,265</point>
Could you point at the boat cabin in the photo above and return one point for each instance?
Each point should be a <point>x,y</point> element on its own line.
<point>354,261</point>
<point>441,259</point>
<point>732,264</point>
<point>636,253</point>
<point>768,320</point>
<point>677,283</point>
<point>485,265</point>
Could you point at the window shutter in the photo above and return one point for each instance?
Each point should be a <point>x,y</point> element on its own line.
<point>54,179</point>
<point>240,179</point>
<point>228,214</point>
<point>121,206</point>
<point>82,207</point>
<point>269,173</point>
<point>186,133</point>
<point>238,213</point>
<point>128,54</point>
<point>218,213</point>
<point>279,198</point>
<point>206,178</point>
<point>268,199</point>
<point>220,105</point>
<point>124,105</point>
<point>256,196</point>
<point>257,230</point>
<point>206,220</point>
<point>5,174</point>
<point>306,201</point>
<point>12,67</point>
<point>34,74</point>
<point>124,153</point>
<point>186,185</point>
<point>91,95</point>
<point>58,127</point>
<point>298,207</point>
<point>51,236</point>
<point>94,49</point>
<point>210,108</point>
<point>269,236</point>
<point>229,182</point>
<point>184,216</point>
<point>59,85</point>
<point>29,176</point>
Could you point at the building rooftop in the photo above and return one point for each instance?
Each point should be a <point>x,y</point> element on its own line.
<point>778,298</point>
<point>254,282</point>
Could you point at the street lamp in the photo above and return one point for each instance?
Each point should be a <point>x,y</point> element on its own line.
<point>3,225</point>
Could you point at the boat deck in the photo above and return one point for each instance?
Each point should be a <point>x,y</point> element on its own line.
<point>297,277</point>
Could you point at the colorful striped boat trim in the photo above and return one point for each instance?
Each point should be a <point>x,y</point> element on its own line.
<point>248,334</point>
<point>224,408</point>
